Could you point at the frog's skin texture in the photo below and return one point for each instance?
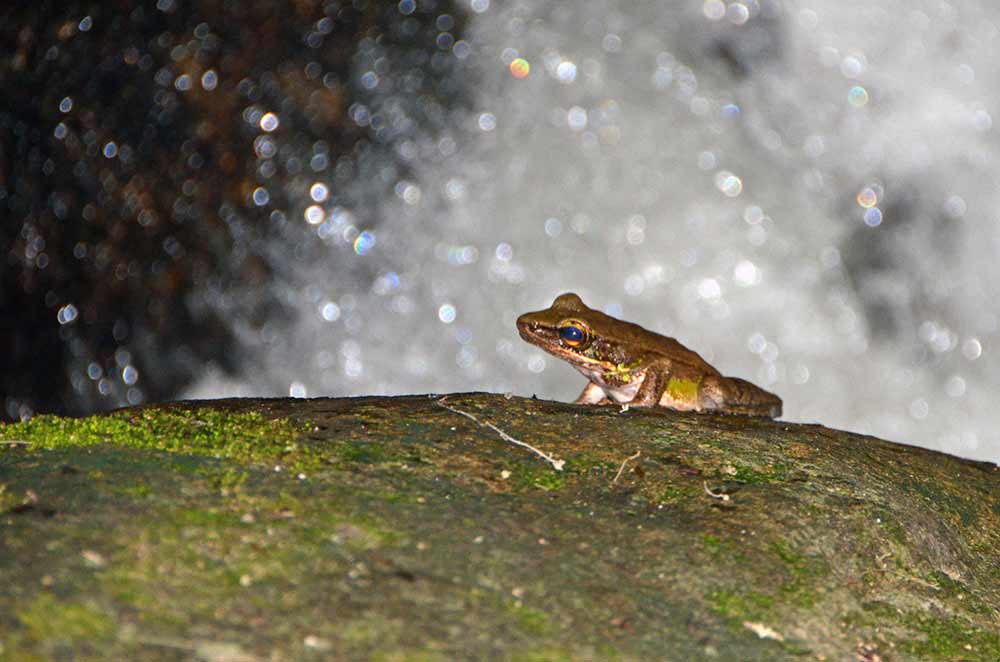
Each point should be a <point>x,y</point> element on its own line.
<point>627,364</point>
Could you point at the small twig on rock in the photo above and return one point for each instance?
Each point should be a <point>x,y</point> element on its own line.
<point>763,631</point>
<point>618,475</point>
<point>715,495</point>
<point>556,464</point>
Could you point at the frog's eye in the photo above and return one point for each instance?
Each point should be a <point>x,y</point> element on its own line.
<point>573,333</point>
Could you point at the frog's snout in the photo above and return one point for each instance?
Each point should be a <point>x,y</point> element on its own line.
<point>525,326</point>
<point>531,328</point>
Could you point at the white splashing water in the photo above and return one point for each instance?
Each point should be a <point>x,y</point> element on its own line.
<point>803,192</point>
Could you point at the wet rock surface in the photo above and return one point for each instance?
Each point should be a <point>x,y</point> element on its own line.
<point>408,528</point>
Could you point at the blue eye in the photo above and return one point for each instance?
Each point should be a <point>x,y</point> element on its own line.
<point>572,335</point>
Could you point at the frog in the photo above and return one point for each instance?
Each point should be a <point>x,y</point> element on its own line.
<point>629,365</point>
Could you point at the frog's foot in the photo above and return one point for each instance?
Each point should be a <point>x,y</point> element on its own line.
<point>592,395</point>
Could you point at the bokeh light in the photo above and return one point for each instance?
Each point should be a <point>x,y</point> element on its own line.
<point>520,68</point>
<point>857,96</point>
<point>269,122</point>
<point>364,243</point>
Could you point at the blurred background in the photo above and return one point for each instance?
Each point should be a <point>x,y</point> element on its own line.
<point>215,198</point>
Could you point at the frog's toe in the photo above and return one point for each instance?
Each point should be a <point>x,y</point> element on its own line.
<point>592,395</point>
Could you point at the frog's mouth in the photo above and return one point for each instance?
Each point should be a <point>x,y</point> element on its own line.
<point>536,332</point>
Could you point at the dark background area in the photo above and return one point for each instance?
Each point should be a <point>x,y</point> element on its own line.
<point>129,157</point>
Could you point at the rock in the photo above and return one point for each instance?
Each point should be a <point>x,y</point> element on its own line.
<point>399,528</point>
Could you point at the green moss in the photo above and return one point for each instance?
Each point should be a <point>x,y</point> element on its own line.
<point>932,636</point>
<point>247,437</point>
<point>781,548</point>
<point>724,548</point>
<point>362,452</point>
<point>409,655</point>
<point>951,638</point>
<point>550,480</point>
<point>751,475</point>
<point>737,606</point>
<point>671,493</point>
<point>134,490</point>
<point>537,475</point>
<point>546,654</point>
<point>805,574</point>
<point>49,620</point>
<point>203,517</point>
<point>223,479</point>
<point>584,464</point>
<point>7,499</point>
<point>797,583</point>
<point>534,622</point>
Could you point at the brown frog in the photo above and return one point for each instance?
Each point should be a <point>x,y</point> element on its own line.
<point>627,364</point>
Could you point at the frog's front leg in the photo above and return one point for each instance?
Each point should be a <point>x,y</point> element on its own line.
<point>592,395</point>
<point>655,378</point>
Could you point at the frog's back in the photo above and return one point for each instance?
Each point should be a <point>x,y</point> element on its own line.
<point>660,346</point>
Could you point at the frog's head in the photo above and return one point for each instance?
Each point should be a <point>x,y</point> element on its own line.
<point>587,338</point>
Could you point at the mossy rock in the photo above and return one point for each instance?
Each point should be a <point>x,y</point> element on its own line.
<point>401,529</point>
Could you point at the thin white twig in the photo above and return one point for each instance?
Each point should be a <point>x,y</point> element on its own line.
<point>763,631</point>
<point>556,464</point>
<point>14,442</point>
<point>618,475</point>
<point>715,495</point>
